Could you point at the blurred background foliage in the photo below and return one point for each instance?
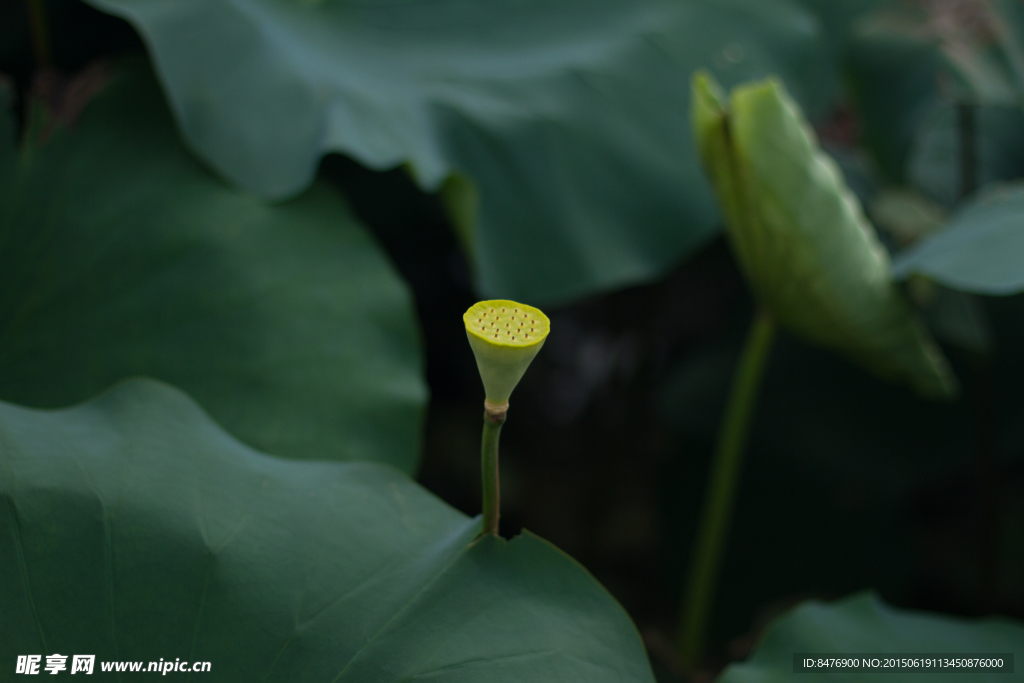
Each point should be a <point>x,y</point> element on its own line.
<point>576,187</point>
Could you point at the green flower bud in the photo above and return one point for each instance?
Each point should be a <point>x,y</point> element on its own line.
<point>505,336</point>
<point>799,235</point>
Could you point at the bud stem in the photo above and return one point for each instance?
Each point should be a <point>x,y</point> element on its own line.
<point>721,491</point>
<point>493,420</point>
<point>40,33</point>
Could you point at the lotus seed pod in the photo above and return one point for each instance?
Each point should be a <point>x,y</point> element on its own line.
<point>505,336</point>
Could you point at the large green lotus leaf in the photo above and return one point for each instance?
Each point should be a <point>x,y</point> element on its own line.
<point>893,78</point>
<point>133,528</point>
<point>935,164</point>
<point>980,251</point>
<point>863,623</point>
<point>557,129</point>
<point>838,20</point>
<point>802,239</point>
<point>1010,35</point>
<point>905,59</point>
<point>120,255</point>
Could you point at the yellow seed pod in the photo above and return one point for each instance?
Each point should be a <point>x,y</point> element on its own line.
<point>505,336</point>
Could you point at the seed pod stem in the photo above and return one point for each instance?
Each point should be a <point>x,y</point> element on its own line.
<point>489,469</point>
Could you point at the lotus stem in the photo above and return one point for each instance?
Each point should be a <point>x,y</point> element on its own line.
<point>968,139</point>
<point>494,418</point>
<point>721,491</point>
<point>40,33</point>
